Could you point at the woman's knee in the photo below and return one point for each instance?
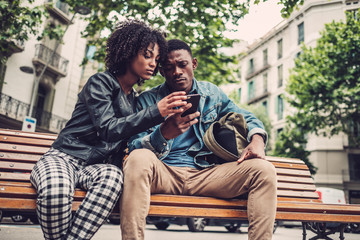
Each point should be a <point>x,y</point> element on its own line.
<point>110,175</point>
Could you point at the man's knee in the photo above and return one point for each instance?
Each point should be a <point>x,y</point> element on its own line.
<point>139,162</point>
<point>265,171</point>
<point>140,158</point>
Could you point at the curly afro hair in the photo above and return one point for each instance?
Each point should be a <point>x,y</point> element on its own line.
<point>128,38</point>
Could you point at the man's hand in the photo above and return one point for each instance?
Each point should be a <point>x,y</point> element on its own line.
<point>255,149</point>
<point>168,105</point>
<point>175,125</point>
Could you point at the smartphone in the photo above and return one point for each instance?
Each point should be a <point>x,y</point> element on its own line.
<point>194,100</point>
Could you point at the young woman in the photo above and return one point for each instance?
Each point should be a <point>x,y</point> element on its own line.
<point>96,135</point>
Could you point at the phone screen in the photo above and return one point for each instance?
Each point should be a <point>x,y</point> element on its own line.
<point>194,100</point>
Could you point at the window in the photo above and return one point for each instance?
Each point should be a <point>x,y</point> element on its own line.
<point>265,57</point>
<point>280,75</point>
<point>2,75</point>
<point>251,90</point>
<point>354,167</point>
<point>280,48</point>
<point>300,33</point>
<point>354,13</point>
<point>278,131</point>
<point>90,52</point>
<point>265,82</point>
<point>280,107</point>
<point>251,66</point>
<point>265,105</point>
<point>101,67</point>
<point>239,94</point>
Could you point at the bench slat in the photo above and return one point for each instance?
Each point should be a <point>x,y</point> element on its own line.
<point>23,148</point>
<point>26,141</point>
<point>15,166</point>
<point>296,186</point>
<point>28,134</point>
<point>297,194</point>
<point>290,166</point>
<point>29,192</point>
<point>292,172</point>
<point>20,157</point>
<point>295,179</point>
<point>15,176</point>
<point>284,160</point>
<point>170,211</point>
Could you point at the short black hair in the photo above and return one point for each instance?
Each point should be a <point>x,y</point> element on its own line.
<point>177,44</point>
<point>128,38</point>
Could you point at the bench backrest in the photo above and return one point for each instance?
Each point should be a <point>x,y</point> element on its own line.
<point>19,151</point>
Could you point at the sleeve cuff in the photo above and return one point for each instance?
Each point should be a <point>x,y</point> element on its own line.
<point>158,141</point>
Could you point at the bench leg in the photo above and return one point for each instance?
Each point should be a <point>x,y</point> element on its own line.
<point>304,230</point>
<point>341,230</point>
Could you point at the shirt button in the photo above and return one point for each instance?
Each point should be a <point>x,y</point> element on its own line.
<point>164,144</point>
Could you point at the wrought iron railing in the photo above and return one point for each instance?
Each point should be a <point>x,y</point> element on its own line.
<point>17,110</point>
<point>48,56</point>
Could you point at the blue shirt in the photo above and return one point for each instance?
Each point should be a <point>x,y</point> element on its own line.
<point>178,156</point>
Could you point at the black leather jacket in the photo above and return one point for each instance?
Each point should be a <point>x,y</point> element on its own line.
<point>103,119</point>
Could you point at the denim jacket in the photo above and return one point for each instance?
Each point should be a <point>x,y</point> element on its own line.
<point>213,105</point>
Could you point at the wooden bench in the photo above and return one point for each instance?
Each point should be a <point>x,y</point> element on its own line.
<point>297,199</point>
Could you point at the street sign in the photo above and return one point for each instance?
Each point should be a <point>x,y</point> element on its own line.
<point>29,124</point>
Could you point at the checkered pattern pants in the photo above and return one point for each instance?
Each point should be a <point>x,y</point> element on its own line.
<point>55,177</point>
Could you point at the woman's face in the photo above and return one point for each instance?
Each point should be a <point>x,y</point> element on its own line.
<point>144,64</point>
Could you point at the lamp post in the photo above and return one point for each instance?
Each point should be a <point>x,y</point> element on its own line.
<point>82,10</point>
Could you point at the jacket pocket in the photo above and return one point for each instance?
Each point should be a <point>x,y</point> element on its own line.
<point>209,117</point>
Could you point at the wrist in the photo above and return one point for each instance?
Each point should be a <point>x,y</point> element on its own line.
<point>258,138</point>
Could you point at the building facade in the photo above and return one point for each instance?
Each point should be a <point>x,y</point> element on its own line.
<point>54,94</point>
<point>265,70</point>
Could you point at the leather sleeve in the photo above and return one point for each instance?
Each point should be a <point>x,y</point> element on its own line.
<point>97,95</point>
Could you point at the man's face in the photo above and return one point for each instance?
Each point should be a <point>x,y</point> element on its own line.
<point>178,70</point>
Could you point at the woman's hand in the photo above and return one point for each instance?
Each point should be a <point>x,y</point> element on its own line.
<point>170,103</point>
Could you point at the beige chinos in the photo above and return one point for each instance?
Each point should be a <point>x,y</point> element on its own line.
<point>144,174</point>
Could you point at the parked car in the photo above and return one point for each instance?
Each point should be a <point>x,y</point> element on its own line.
<point>19,217</point>
<point>198,224</point>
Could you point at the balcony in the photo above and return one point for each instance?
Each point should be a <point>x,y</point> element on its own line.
<point>16,110</point>
<point>57,64</point>
<point>258,98</point>
<point>59,10</point>
<point>253,73</point>
<point>14,46</point>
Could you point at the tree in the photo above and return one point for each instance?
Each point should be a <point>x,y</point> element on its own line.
<point>291,143</point>
<point>17,23</point>
<point>324,85</point>
<point>201,23</point>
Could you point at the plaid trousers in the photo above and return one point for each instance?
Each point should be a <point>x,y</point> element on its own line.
<point>55,177</point>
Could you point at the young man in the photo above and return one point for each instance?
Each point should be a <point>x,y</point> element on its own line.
<point>171,158</point>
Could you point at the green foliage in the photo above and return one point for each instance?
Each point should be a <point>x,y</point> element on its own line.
<point>200,23</point>
<point>17,22</point>
<point>324,85</point>
<point>291,143</point>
